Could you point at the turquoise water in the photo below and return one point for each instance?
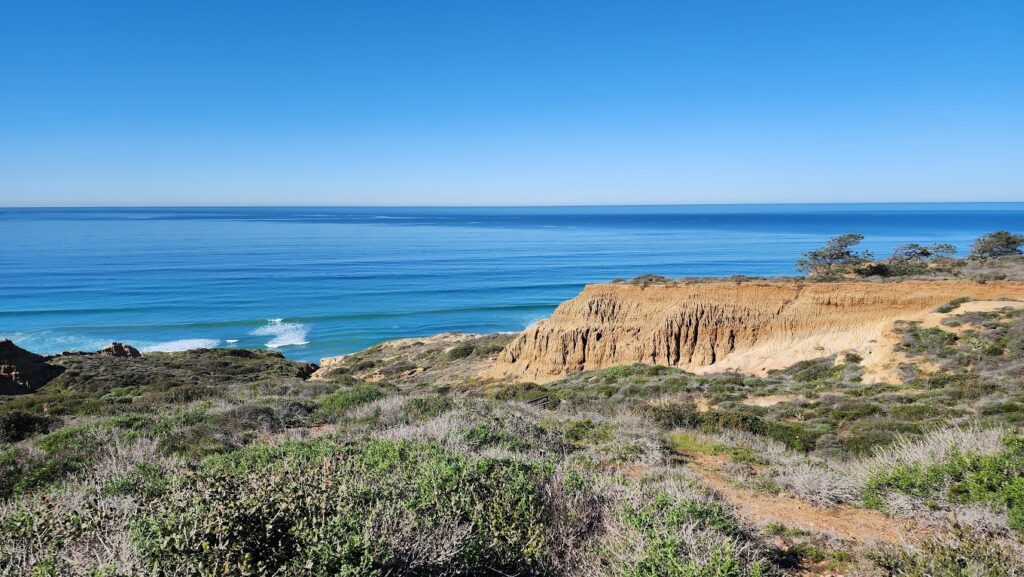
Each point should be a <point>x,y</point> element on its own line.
<point>314,282</point>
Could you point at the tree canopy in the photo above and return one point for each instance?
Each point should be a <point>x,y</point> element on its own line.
<point>836,256</point>
<point>914,252</point>
<point>996,244</point>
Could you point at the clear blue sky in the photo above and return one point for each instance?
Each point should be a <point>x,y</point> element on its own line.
<point>150,102</point>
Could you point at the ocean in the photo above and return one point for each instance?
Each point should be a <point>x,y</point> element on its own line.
<point>313,282</point>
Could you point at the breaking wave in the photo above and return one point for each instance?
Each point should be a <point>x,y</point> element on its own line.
<point>181,345</point>
<point>285,334</point>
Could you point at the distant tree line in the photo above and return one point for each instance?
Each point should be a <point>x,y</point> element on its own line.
<point>839,256</point>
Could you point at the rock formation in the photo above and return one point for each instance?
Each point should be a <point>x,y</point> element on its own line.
<point>116,349</point>
<point>751,326</point>
<point>23,372</point>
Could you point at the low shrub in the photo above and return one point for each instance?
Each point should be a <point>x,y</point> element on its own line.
<point>815,370</point>
<point>378,508</point>
<point>65,452</point>
<point>144,481</point>
<point>933,340</point>
<point>424,408</point>
<point>796,436</point>
<point>996,480</point>
<point>491,435</point>
<point>674,415</point>
<point>952,305</point>
<point>619,372</point>
<point>332,407</point>
<point>959,555</point>
<point>524,392</point>
<point>686,537</point>
<point>461,351</point>
<point>586,432</point>
<point>17,425</point>
<point>398,368</point>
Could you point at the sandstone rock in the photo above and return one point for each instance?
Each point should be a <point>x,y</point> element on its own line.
<point>119,350</point>
<point>23,372</point>
<point>750,327</point>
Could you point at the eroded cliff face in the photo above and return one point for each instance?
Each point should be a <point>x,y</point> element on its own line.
<point>751,327</point>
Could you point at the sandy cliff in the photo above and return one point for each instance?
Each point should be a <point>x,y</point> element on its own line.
<point>750,327</point>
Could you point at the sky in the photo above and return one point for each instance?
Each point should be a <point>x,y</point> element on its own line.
<point>516,102</point>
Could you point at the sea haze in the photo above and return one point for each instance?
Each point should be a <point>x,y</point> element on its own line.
<point>315,282</point>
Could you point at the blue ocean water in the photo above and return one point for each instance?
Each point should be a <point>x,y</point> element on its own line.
<point>314,282</point>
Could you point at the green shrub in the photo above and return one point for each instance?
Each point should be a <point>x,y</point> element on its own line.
<point>525,392</point>
<point>852,409</point>
<point>997,480</point>
<point>917,412</point>
<point>619,372</point>
<point>492,435</point>
<point>816,370</point>
<point>17,425</point>
<point>674,415</point>
<point>742,419</point>
<point>461,351</point>
<point>796,436</point>
<point>514,390</point>
<point>200,440</point>
<point>960,556</point>
<point>864,436</point>
<point>952,305</point>
<point>586,432</point>
<point>933,340</point>
<point>65,452</point>
<point>332,407</point>
<point>423,408</point>
<point>145,481</point>
<point>491,345</point>
<point>663,522</point>
<point>352,510</point>
<point>398,368</point>
<point>362,364</point>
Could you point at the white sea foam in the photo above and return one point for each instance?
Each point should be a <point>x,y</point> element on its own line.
<point>231,341</point>
<point>285,334</point>
<point>181,345</point>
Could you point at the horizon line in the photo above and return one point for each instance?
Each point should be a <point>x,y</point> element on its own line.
<point>500,206</point>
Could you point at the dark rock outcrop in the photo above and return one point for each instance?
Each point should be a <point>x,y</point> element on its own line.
<point>119,350</point>
<point>306,370</point>
<point>22,371</point>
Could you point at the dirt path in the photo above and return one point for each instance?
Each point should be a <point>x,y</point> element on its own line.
<point>858,526</point>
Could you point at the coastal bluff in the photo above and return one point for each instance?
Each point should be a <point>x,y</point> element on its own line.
<point>748,326</point>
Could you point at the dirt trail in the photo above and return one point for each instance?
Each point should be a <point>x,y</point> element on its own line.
<point>858,526</point>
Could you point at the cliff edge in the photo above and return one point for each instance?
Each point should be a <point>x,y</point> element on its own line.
<point>751,326</point>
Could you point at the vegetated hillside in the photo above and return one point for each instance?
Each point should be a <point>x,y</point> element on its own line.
<point>231,463</point>
<point>750,326</point>
<point>442,359</point>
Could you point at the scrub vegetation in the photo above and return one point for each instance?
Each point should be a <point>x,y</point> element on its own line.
<point>235,463</point>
